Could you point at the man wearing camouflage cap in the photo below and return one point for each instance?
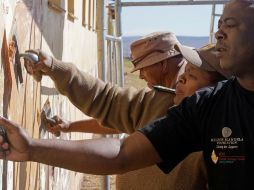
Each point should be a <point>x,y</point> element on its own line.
<point>159,63</point>
<point>157,60</point>
<point>102,100</point>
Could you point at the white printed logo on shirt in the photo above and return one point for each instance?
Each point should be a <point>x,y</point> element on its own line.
<point>226,147</point>
<point>226,132</point>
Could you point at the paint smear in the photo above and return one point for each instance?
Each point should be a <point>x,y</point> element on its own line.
<point>7,75</point>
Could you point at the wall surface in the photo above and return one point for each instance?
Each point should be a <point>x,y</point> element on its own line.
<point>30,24</point>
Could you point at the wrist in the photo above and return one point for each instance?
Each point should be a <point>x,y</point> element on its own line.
<point>33,149</point>
<point>65,126</point>
<point>68,124</point>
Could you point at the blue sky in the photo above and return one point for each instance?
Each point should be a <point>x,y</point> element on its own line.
<point>182,20</point>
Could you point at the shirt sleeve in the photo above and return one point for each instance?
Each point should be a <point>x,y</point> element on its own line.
<point>124,109</point>
<point>177,134</point>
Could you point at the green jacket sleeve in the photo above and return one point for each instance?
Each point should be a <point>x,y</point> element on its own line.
<point>124,109</point>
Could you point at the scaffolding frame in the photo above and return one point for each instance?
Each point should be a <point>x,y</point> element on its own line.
<point>114,48</point>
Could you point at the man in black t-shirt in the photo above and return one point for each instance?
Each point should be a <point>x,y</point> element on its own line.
<point>217,120</point>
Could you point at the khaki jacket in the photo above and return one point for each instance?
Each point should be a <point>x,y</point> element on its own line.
<point>128,109</point>
<point>190,174</point>
<point>125,109</point>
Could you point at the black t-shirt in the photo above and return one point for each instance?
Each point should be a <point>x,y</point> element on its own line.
<point>220,122</point>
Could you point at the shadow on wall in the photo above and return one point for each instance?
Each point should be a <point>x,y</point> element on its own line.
<point>49,22</point>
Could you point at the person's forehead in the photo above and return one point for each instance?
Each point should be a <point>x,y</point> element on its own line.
<point>232,10</point>
<point>151,67</point>
<point>238,10</point>
<point>190,67</point>
<point>194,69</point>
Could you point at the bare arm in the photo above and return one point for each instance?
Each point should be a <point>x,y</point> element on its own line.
<point>99,156</point>
<point>96,156</point>
<point>85,126</point>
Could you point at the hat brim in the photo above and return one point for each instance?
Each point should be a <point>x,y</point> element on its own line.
<point>154,58</point>
<point>193,57</point>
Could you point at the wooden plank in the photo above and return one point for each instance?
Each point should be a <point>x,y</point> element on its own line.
<point>71,15</point>
<point>89,14</point>
<point>84,23</point>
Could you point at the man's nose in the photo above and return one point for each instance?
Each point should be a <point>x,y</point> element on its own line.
<point>220,35</point>
<point>182,79</point>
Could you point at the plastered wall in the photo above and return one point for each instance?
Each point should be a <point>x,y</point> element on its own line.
<point>30,24</point>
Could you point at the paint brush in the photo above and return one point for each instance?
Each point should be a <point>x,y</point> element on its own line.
<point>30,60</point>
<point>46,119</point>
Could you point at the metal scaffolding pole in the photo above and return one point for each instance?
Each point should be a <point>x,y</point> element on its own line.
<point>211,37</point>
<point>119,47</point>
<point>167,3</point>
<point>102,53</point>
<point>101,32</point>
<point>213,16</point>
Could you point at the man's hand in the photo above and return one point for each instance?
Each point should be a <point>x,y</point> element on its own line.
<point>43,66</point>
<point>18,142</point>
<point>60,125</point>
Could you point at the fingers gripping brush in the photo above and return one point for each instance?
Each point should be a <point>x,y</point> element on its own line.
<point>46,120</point>
<point>5,139</point>
<point>31,59</point>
